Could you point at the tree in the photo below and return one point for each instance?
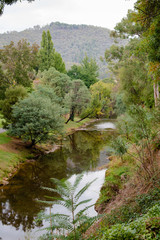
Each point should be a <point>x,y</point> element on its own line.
<point>147,11</point>
<point>47,55</point>
<point>36,119</point>
<point>75,72</point>
<point>4,83</point>
<point>145,22</point>
<point>70,199</point>
<point>129,65</point>
<point>77,98</point>
<point>8,2</point>
<point>46,52</point>
<point>87,71</point>
<point>12,96</point>
<point>128,27</point>
<point>59,65</point>
<point>18,62</point>
<point>60,82</point>
<point>101,97</point>
<point>138,138</point>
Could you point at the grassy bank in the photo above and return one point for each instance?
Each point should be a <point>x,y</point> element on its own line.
<point>129,203</point>
<point>12,152</point>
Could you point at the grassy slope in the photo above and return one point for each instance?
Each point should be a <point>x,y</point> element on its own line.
<point>10,157</point>
<point>125,197</point>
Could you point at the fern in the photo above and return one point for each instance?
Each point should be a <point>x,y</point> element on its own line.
<point>70,199</point>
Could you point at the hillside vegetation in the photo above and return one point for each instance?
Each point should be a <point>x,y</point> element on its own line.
<point>71,41</point>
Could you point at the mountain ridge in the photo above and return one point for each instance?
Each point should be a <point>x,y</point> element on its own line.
<point>72,41</point>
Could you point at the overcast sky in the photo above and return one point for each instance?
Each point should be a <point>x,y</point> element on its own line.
<point>104,13</point>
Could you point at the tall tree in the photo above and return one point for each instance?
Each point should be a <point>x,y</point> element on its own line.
<point>48,56</point>
<point>46,53</point>
<point>145,20</point>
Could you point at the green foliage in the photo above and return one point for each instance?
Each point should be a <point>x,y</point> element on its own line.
<point>100,104</point>
<point>87,71</point>
<point>77,98</point>
<point>46,52</point>
<point>47,55</point>
<point>120,106</point>
<point>137,130</point>
<point>60,82</point>
<point>12,96</point>
<point>147,11</point>
<point>59,65</point>
<point>119,147</point>
<point>115,177</point>
<point>19,62</point>
<point>154,41</point>
<point>146,227</point>
<point>128,26</point>
<point>36,119</point>
<point>114,53</point>
<point>133,209</point>
<point>70,199</point>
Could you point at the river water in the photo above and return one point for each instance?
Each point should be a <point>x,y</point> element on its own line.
<point>84,150</point>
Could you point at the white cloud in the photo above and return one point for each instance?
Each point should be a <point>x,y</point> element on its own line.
<point>105,13</point>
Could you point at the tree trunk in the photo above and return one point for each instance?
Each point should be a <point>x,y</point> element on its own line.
<point>156,93</point>
<point>83,118</point>
<point>71,117</point>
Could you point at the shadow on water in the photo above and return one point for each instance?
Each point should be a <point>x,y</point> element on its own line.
<point>82,151</point>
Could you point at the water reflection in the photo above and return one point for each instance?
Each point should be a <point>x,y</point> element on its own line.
<point>81,151</point>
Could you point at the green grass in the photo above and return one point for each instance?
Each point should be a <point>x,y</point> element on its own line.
<point>116,175</point>
<point>4,138</point>
<point>8,160</point>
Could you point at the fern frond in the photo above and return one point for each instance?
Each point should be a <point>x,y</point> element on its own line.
<point>77,180</point>
<point>79,194</point>
<point>82,202</point>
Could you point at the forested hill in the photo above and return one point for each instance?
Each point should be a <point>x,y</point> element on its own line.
<point>71,41</point>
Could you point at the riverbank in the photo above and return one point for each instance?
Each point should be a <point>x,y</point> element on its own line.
<point>126,198</point>
<point>14,152</point>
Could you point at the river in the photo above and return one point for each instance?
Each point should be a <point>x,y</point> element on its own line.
<point>85,150</point>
